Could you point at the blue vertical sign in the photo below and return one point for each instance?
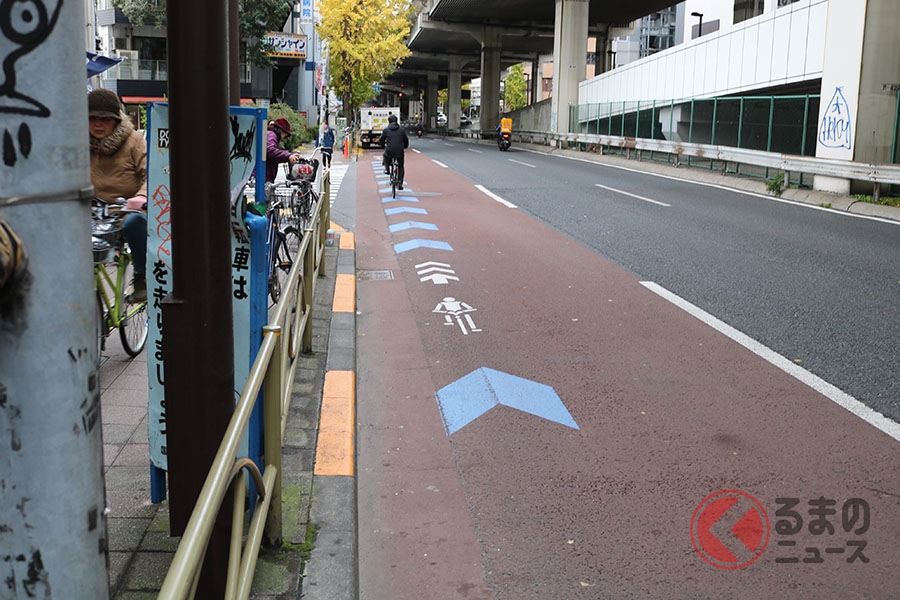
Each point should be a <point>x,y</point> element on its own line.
<point>306,12</point>
<point>248,265</point>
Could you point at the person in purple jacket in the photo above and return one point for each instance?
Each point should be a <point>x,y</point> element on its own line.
<point>279,129</point>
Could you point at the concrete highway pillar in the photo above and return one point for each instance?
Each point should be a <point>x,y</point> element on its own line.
<point>454,91</point>
<point>490,81</point>
<point>431,91</point>
<point>569,59</point>
<point>859,85</point>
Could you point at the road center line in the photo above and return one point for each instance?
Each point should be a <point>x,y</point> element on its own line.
<point>474,150</point>
<point>519,162</point>
<point>831,392</point>
<point>439,163</point>
<point>491,194</point>
<point>632,195</point>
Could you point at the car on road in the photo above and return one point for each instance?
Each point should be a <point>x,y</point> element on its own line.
<point>464,121</point>
<point>441,120</point>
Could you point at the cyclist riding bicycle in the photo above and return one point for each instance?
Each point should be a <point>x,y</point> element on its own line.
<point>119,170</point>
<point>395,141</point>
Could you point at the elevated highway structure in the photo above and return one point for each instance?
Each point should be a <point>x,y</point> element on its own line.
<point>845,52</point>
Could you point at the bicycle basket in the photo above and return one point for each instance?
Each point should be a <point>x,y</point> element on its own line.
<point>102,250</point>
<point>283,196</point>
<point>304,170</point>
<point>106,229</point>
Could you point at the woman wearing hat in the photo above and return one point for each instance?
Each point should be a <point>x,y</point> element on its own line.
<point>279,129</point>
<point>119,170</point>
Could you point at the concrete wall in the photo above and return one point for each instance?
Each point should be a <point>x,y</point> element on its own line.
<point>534,117</point>
<point>781,46</point>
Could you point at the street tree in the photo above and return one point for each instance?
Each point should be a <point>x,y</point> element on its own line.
<point>256,18</point>
<point>514,91</point>
<point>366,43</point>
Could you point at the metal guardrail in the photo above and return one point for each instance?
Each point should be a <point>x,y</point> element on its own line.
<point>288,333</point>
<point>875,173</point>
<point>857,171</point>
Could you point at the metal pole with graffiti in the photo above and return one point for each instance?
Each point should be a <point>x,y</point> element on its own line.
<point>53,538</point>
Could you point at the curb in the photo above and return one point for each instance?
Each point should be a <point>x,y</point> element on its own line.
<point>332,566</point>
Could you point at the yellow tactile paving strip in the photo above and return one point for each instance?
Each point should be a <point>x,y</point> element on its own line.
<point>344,294</point>
<point>334,449</point>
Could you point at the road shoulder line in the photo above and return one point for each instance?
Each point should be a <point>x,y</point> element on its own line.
<point>828,390</point>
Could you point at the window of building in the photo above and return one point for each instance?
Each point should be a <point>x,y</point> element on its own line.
<point>149,48</point>
<point>747,9</point>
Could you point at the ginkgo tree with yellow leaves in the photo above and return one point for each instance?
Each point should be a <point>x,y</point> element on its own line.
<point>366,43</point>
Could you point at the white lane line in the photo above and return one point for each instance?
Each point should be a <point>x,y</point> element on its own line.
<point>519,162</point>
<point>623,192</point>
<point>416,151</point>
<point>831,392</point>
<point>491,194</point>
<point>726,188</point>
<point>440,164</point>
<point>474,150</point>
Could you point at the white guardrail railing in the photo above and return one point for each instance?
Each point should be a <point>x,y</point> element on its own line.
<point>875,173</point>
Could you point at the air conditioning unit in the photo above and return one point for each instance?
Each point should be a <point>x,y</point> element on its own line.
<point>128,68</point>
<point>127,54</point>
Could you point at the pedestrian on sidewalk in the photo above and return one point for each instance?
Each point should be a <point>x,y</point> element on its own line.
<point>279,129</point>
<point>119,170</point>
<point>327,145</point>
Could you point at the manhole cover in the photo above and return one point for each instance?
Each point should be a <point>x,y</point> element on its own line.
<point>375,275</point>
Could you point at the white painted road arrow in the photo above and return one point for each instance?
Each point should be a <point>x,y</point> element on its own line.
<point>440,273</point>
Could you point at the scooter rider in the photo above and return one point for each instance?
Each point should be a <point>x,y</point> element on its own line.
<point>395,141</point>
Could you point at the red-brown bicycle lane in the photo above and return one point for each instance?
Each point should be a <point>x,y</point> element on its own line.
<point>668,411</point>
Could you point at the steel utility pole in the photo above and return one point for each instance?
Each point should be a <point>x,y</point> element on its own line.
<point>53,538</point>
<point>198,346</point>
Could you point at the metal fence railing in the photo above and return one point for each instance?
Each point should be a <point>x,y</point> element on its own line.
<point>288,333</point>
<point>784,124</point>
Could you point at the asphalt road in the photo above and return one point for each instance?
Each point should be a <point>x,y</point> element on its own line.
<point>535,421</point>
<point>818,287</point>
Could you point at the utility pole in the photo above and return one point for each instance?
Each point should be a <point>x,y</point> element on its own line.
<point>198,340</point>
<point>53,536</point>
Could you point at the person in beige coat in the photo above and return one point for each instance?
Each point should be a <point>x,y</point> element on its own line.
<point>119,170</point>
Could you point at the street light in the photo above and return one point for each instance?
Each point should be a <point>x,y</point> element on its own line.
<point>700,24</point>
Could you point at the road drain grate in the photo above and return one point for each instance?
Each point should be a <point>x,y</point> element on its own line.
<point>375,275</point>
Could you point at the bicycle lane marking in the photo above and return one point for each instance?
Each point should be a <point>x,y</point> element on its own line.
<point>413,517</point>
<point>669,411</point>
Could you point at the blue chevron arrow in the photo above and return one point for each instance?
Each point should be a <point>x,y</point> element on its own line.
<point>468,398</point>
<point>412,225</point>
<point>417,243</point>
<point>405,209</point>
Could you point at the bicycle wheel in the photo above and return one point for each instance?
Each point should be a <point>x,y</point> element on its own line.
<point>310,200</point>
<point>290,215</point>
<point>393,179</point>
<point>287,244</point>
<point>133,319</point>
<point>100,323</point>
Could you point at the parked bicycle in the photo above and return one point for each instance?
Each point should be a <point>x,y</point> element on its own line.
<point>304,198</point>
<point>282,240</point>
<point>113,275</point>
